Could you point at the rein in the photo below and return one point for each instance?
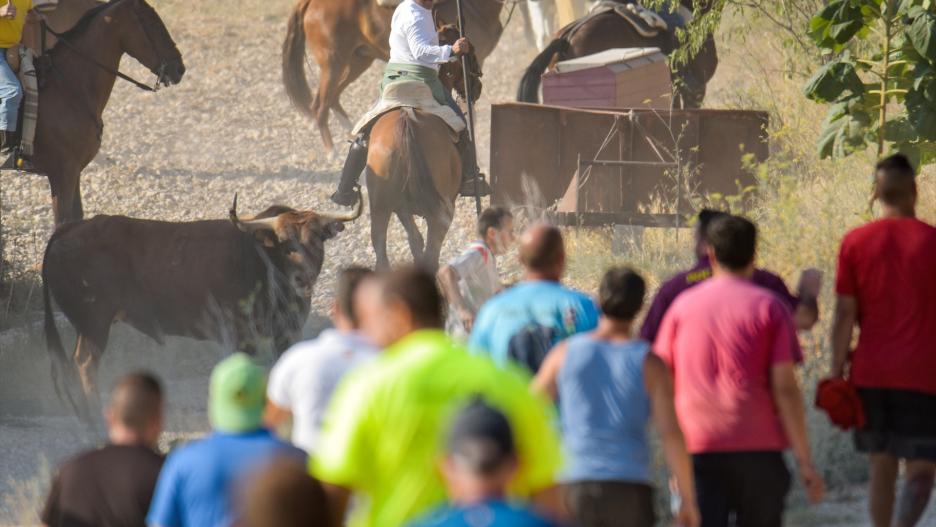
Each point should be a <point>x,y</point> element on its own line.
<point>92,60</point>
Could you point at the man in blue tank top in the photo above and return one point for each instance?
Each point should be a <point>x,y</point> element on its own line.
<point>609,387</point>
<point>522,323</point>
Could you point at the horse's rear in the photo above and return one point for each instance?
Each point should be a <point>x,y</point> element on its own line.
<point>413,169</point>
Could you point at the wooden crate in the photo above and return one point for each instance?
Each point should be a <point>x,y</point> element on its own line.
<point>616,78</point>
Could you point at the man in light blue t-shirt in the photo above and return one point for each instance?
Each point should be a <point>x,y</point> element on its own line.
<point>522,323</point>
<point>198,484</point>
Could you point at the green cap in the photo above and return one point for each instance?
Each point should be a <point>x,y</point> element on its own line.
<point>237,395</point>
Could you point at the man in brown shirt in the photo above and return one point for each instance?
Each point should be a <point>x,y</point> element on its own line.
<point>113,485</point>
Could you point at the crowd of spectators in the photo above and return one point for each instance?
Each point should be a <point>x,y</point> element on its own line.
<point>533,408</point>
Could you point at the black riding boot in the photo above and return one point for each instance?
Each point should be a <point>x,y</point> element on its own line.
<point>348,188</point>
<point>472,182</point>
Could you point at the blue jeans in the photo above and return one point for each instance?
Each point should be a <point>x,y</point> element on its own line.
<point>11,93</point>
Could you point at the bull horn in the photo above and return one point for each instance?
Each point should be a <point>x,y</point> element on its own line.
<point>251,225</point>
<point>350,217</point>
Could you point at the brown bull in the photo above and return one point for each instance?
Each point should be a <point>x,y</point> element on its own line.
<point>242,283</point>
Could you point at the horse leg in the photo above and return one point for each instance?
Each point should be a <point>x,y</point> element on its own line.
<point>77,207</point>
<point>380,222</point>
<point>330,69</point>
<point>415,238</point>
<point>63,187</point>
<point>359,64</point>
<point>438,228</point>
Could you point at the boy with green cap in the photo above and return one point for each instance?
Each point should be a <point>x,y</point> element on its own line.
<point>198,480</point>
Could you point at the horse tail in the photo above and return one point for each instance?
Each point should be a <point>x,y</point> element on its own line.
<point>529,84</point>
<point>417,178</point>
<point>294,78</point>
<point>64,374</point>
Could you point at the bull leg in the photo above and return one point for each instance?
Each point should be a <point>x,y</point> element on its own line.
<point>380,221</point>
<point>415,238</point>
<point>87,359</point>
<point>438,228</point>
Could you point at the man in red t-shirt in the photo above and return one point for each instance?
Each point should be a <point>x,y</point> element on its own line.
<point>886,284</point>
<point>732,348</point>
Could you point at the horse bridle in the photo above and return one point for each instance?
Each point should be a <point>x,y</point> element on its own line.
<point>160,72</point>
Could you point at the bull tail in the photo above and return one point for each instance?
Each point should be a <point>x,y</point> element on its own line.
<point>417,178</point>
<point>294,77</point>
<point>530,83</point>
<point>64,373</point>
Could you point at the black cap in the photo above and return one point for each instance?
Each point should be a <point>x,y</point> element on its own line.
<point>480,439</point>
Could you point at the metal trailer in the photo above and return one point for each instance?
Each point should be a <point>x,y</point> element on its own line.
<point>600,167</point>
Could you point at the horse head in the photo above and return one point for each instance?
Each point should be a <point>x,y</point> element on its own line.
<point>144,36</point>
<point>451,73</point>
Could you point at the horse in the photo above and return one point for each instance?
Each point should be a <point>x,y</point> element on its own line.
<point>413,168</point>
<point>346,36</point>
<point>599,32</point>
<point>76,85</point>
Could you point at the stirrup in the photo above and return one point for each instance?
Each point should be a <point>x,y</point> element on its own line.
<point>16,161</point>
<point>475,186</point>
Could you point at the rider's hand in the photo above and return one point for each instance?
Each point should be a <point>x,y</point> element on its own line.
<point>8,11</point>
<point>461,46</point>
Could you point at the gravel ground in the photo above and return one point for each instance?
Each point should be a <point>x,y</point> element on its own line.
<point>178,155</point>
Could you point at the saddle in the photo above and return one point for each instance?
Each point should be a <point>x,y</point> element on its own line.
<point>646,22</point>
<point>410,94</point>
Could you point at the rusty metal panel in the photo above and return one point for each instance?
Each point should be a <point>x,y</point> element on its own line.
<point>547,143</point>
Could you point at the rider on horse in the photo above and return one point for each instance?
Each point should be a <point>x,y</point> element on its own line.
<point>416,54</point>
<point>12,19</point>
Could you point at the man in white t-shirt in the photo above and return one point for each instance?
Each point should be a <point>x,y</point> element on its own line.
<point>471,278</point>
<point>303,379</point>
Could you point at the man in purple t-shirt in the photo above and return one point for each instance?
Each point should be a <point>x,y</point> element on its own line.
<point>804,305</point>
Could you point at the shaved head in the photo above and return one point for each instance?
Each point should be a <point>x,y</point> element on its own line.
<point>542,251</point>
<point>136,401</point>
<point>895,182</point>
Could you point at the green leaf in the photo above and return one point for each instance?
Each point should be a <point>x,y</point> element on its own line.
<point>921,110</point>
<point>899,130</point>
<point>832,81</point>
<point>922,34</point>
<point>844,130</point>
<point>836,23</point>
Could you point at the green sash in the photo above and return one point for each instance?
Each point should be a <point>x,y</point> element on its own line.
<point>395,72</point>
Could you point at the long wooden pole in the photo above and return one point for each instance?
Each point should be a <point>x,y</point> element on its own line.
<point>467,81</point>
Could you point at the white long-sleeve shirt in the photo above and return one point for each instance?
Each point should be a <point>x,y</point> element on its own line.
<point>413,37</point>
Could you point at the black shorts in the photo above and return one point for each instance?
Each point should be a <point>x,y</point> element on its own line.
<point>749,486</point>
<point>610,504</point>
<point>901,423</point>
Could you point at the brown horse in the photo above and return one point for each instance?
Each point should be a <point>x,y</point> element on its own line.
<point>593,34</point>
<point>346,36</point>
<point>413,169</point>
<point>76,86</point>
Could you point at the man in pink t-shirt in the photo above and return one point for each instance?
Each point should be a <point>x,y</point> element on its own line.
<point>886,284</point>
<point>732,347</point>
